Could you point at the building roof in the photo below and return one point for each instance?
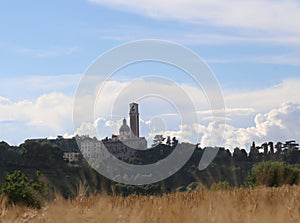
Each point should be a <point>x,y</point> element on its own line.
<point>124,127</point>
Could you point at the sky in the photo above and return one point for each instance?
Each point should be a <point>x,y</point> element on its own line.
<point>252,47</point>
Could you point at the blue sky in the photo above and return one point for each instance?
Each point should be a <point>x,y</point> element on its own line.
<point>253,47</point>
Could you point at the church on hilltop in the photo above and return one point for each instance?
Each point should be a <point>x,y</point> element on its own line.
<point>132,132</point>
<point>123,146</point>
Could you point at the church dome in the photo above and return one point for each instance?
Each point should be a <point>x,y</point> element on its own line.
<point>124,127</point>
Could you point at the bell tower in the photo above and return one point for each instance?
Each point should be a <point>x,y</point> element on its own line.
<point>134,119</point>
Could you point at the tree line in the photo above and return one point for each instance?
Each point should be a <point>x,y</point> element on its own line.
<point>271,164</point>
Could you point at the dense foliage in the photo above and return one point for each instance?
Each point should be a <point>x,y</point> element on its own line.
<point>266,165</point>
<point>273,174</point>
<point>21,190</point>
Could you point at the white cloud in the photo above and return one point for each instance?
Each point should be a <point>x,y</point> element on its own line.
<point>261,108</point>
<point>264,15</point>
<point>251,115</point>
<point>279,124</point>
<point>265,99</point>
<point>49,114</point>
<point>229,111</point>
<point>4,100</point>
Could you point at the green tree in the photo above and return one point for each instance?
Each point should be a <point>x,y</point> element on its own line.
<point>239,155</point>
<point>22,190</point>
<point>157,140</point>
<point>273,174</point>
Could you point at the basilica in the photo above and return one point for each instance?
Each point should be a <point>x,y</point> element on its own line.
<point>122,146</point>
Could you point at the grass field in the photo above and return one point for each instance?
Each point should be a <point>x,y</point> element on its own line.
<point>226,206</point>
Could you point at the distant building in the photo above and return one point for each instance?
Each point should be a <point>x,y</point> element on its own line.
<point>71,157</point>
<point>122,146</point>
<point>38,140</point>
<point>134,119</point>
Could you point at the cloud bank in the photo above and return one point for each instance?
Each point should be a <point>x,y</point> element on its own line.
<point>258,115</point>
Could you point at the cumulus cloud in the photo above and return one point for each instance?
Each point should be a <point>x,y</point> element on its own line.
<point>49,114</point>
<point>261,115</point>
<point>279,124</point>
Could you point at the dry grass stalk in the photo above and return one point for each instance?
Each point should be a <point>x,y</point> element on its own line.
<point>228,206</point>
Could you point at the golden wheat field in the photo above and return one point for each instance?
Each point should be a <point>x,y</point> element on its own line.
<point>226,206</point>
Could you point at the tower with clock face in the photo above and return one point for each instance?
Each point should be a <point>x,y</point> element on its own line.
<point>134,119</point>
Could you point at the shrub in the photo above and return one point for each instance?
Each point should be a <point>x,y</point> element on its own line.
<point>273,174</point>
<point>19,189</point>
<point>224,185</point>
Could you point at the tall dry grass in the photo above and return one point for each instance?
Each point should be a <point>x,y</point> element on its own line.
<point>227,206</point>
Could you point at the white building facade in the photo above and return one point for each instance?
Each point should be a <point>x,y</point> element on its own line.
<point>122,146</point>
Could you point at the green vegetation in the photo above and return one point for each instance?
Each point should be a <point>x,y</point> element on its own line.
<point>224,185</point>
<point>274,174</point>
<point>275,166</point>
<point>150,189</point>
<point>21,190</point>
